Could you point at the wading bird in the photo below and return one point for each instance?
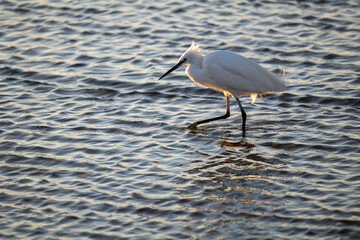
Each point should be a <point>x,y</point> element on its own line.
<point>229,73</point>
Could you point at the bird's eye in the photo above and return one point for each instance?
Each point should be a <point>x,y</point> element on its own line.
<point>185,59</point>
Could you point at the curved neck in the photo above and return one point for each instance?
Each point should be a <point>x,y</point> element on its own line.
<point>197,60</point>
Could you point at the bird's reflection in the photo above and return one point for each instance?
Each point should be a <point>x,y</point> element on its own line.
<point>238,173</point>
<point>241,144</point>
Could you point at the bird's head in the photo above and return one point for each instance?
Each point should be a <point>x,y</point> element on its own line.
<point>187,58</point>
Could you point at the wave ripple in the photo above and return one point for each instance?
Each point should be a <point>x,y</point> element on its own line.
<point>92,146</point>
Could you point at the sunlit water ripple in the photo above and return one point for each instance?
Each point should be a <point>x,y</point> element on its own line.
<point>94,147</point>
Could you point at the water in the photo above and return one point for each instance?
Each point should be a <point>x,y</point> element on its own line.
<point>94,147</point>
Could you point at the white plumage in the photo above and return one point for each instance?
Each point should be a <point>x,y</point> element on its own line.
<point>229,73</point>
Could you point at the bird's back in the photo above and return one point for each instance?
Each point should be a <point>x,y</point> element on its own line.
<point>238,75</point>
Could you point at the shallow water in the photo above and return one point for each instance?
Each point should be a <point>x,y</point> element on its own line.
<point>94,147</point>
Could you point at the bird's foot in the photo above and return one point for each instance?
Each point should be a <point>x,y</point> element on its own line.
<point>243,133</point>
<point>193,125</point>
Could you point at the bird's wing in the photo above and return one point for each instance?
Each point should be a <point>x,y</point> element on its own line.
<point>239,74</point>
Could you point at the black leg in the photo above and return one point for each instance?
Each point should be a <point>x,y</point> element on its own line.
<point>243,113</point>
<point>227,114</point>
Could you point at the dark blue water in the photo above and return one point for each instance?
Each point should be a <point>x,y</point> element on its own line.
<point>93,146</point>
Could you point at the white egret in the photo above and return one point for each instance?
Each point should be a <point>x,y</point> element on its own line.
<point>229,73</point>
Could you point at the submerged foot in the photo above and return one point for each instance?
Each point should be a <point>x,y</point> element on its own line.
<point>243,133</point>
<point>193,125</point>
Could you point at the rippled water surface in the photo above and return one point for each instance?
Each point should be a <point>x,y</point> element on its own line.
<point>93,146</point>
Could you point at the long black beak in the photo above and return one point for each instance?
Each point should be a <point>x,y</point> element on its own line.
<point>172,69</point>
